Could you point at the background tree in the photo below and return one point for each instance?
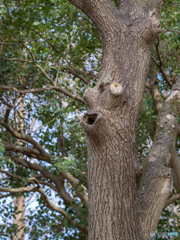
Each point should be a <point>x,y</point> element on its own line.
<point>50,54</point>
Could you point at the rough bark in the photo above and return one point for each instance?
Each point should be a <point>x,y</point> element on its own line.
<point>111,124</point>
<point>157,182</point>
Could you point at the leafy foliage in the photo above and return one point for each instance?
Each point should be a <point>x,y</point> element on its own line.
<point>50,53</point>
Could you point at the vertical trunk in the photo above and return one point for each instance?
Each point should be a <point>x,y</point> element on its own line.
<point>111,126</point>
<point>19,203</point>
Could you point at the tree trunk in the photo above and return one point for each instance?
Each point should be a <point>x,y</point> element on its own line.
<point>111,125</point>
<point>19,203</point>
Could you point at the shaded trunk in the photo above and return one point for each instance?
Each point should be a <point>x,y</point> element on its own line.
<point>111,125</point>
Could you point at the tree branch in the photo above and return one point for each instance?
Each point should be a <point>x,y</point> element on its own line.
<point>34,153</point>
<point>5,195</point>
<point>19,190</point>
<point>99,12</point>
<point>16,59</point>
<point>55,179</point>
<point>30,181</point>
<point>60,210</point>
<point>80,189</point>
<point>162,71</point>
<point>9,44</point>
<point>11,175</point>
<point>24,137</point>
<point>157,182</point>
<point>37,90</point>
<point>48,203</point>
<point>171,200</point>
<point>154,89</point>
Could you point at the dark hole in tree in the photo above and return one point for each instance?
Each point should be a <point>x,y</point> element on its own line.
<point>90,119</point>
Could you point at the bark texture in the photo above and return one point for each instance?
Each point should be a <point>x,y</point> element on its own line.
<point>111,124</point>
<point>157,183</point>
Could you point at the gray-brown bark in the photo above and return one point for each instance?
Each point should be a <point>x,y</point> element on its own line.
<point>157,183</point>
<point>127,35</point>
<point>111,124</point>
<point>115,212</point>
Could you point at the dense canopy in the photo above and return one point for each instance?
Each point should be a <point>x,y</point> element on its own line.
<point>50,53</point>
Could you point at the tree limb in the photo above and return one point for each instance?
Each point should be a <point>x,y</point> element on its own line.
<point>30,181</point>
<point>37,90</point>
<point>24,137</point>
<point>157,182</point>
<point>60,210</point>
<point>49,204</point>
<point>16,59</point>
<point>55,179</point>
<point>80,190</point>
<point>11,175</point>
<point>34,153</point>
<point>154,89</point>
<point>98,12</point>
<point>18,190</point>
<point>171,200</point>
<point>5,195</point>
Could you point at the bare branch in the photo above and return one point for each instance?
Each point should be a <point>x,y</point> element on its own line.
<point>24,137</point>
<point>19,190</point>
<point>11,175</point>
<point>37,90</point>
<point>48,203</point>
<point>170,30</point>
<point>60,210</point>
<point>80,189</point>
<point>56,180</point>
<point>171,200</point>
<point>34,153</point>
<point>45,74</point>
<point>9,44</point>
<point>159,65</point>
<point>154,89</point>
<point>16,59</point>
<point>71,70</point>
<point>24,45</point>
<point>30,181</point>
